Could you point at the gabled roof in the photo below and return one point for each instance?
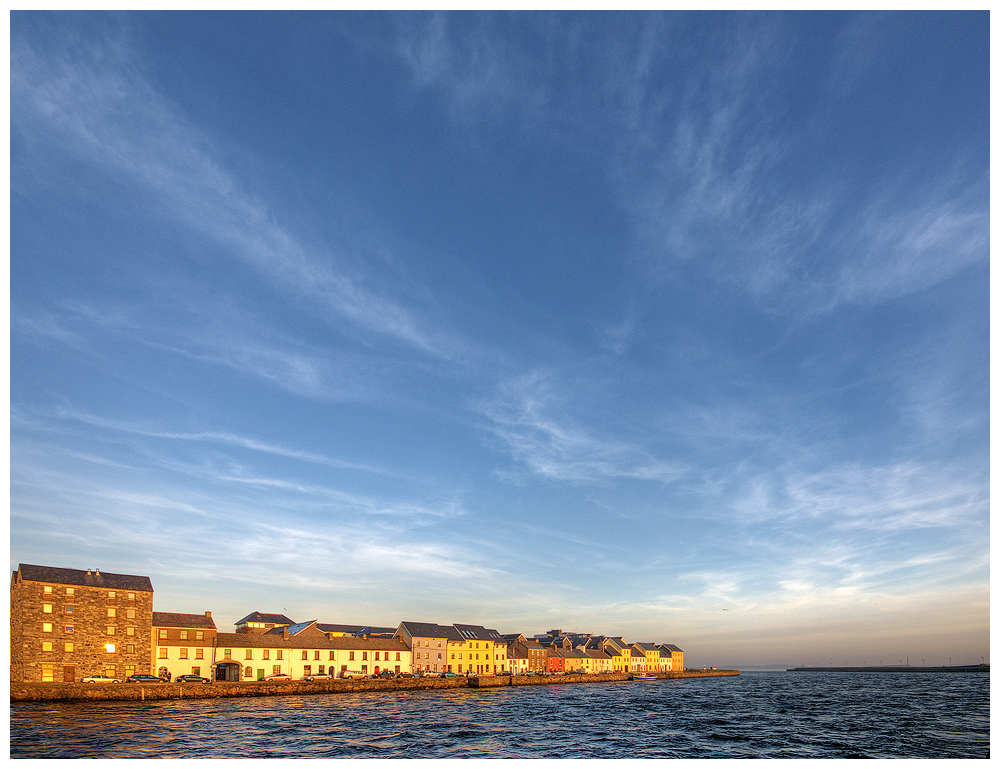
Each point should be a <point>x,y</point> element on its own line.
<point>170,619</point>
<point>597,654</point>
<point>477,633</point>
<point>647,647</point>
<point>293,630</point>
<point>99,579</point>
<point>355,629</point>
<point>274,619</point>
<point>671,648</point>
<point>310,641</point>
<point>431,630</point>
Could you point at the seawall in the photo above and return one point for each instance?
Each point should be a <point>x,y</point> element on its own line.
<point>119,692</point>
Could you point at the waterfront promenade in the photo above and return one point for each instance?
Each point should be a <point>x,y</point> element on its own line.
<point>122,692</point>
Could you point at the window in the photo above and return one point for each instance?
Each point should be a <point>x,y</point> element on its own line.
<point>275,669</point>
<point>109,648</point>
<point>316,655</point>
<point>199,635</point>
<point>131,596</point>
<point>111,630</point>
<point>163,653</point>
<point>69,628</point>
<point>46,646</point>
<point>130,613</point>
<point>229,653</point>
<point>199,654</point>
<point>46,627</point>
<point>364,655</point>
<point>130,648</point>
<point>69,609</point>
<point>130,631</point>
<point>68,646</point>
<point>109,670</point>
<point>397,656</point>
<point>279,654</point>
<point>350,656</point>
<point>427,642</point>
<point>196,671</point>
<point>331,655</point>
<point>130,670</point>
<point>48,673</point>
<point>111,595</point>
<point>46,608</point>
<point>321,670</point>
<point>163,632</point>
<point>307,670</point>
<point>364,668</point>
<point>112,612</point>
<point>47,589</point>
<point>248,655</point>
<point>267,654</point>
<point>184,654</point>
<point>305,654</point>
<point>184,633</point>
<point>70,591</point>
<point>248,672</point>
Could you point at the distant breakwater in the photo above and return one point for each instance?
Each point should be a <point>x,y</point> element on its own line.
<point>895,669</point>
<point>120,692</point>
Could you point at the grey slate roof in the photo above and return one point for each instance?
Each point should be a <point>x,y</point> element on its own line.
<point>267,641</point>
<point>431,630</point>
<point>295,629</point>
<point>99,579</point>
<point>671,648</point>
<point>355,629</point>
<point>647,647</point>
<point>256,616</point>
<point>171,619</point>
<point>477,633</point>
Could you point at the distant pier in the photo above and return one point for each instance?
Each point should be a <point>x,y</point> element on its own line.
<point>895,669</point>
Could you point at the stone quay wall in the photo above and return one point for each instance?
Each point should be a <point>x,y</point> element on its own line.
<point>173,691</point>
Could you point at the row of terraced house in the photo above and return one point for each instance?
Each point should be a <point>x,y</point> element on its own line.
<point>69,623</point>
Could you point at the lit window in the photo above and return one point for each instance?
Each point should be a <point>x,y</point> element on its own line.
<point>130,670</point>
<point>130,631</point>
<point>46,646</point>
<point>46,627</point>
<point>109,648</point>
<point>46,608</point>
<point>47,589</point>
<point>131,596</point>
<point>68,646</point>
<point>70,591</point>
<point>111,630</point>
<point>184,633</point>
<point>48,673</point>
<point>130,613</point>
<point>112,612</point>
<point>109,671</point>
<point>111,595</point>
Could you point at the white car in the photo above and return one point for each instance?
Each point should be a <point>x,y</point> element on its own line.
<point>99,679</point>
<point>352,674</point>
<point>278,677</point>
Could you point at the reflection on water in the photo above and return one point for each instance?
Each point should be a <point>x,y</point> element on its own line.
<point>773,715</point>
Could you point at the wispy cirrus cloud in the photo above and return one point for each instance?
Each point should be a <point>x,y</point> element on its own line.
<point>91,104</point>
<point>525,418</point>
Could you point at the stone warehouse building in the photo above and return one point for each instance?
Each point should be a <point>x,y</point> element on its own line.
<point>69,623</point>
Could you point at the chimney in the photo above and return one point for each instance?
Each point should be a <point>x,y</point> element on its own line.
<point>284,632</point>
<point>208,614</point>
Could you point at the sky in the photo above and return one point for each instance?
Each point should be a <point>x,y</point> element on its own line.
<point>671,326</point>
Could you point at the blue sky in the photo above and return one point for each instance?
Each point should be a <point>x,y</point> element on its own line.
<point>671,326</point>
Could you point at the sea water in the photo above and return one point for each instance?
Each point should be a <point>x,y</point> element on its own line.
<point>754,715</point>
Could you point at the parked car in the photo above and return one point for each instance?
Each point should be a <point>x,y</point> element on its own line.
<point>449,674</point>
<point>385,674</point>
<point>316,677</point>
<point>352,674</point>
<point>278,677</point>
<point>144,678</point>
<point>191,679</point>
<point>405,675</point>
<point>97,678</point>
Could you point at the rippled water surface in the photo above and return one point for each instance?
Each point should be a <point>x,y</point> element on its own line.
<point>765,715</point>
